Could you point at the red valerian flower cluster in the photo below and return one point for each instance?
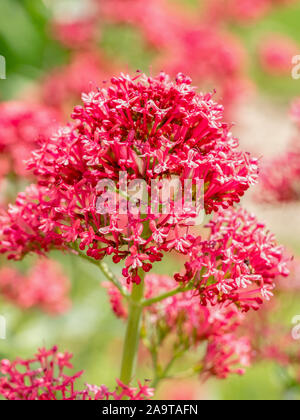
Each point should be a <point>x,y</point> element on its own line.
<point>21,127</point>
<point>193,324</point>
<point>280,177</point>
<point>44,286</point>
<point>62,88</point>
<point>43,378</point>
<point>238,262</point>
<point>241,11</point>
<point>155,19</point>
<point>150,128</point>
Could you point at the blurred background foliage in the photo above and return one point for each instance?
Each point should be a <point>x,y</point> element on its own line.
<point>89,329</point>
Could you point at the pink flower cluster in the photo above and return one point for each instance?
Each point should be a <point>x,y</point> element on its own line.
<point>238,262</point>
<point>44,286</point>
<point>21,126</point>
<point>280,177</point>
<point>43,378</point>
<point>150,128</point>
<point>213,57</point>
<point>242,11</point>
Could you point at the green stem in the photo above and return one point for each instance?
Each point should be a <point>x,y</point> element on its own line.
<point>174,292</point>
<point>132,333</point>
<point>164,375</point>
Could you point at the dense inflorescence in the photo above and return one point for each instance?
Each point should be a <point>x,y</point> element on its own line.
<point>149,128</point>
<point>192,324</point>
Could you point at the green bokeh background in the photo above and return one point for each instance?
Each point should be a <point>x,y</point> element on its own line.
<point>89,330</point>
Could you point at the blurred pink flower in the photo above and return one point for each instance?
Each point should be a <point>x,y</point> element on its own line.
<point>155,19</point>
<point>248,10</point>
<point>185,390</point>
<point>44,286</point>
<point>22,125</point>
<point>280,177</point>
<point>75,34</point>
<point>224,354</point>
<point>43,378</point>
<point>295,111</point>
<point>292,284</point>
<point>149,128</point>
<point>213,57</point>
<point>116,300</point>
<point>276,53</point>
<point>238,263</point>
